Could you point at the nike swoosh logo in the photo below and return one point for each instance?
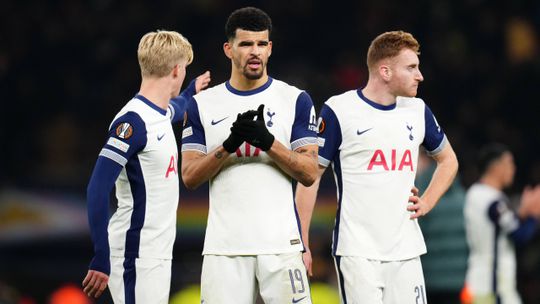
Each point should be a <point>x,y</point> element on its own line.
<point>160,137</point>
<point>296,301</point>
<point>218,121</point>
<point>362,132</point>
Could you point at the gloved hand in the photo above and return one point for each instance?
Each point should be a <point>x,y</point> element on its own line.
<point>254,131</point>
<point>235,139</point>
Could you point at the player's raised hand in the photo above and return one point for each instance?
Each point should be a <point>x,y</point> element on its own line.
<point>419,206</point>
<point>236,138</point>
<point>255,131</point>
<point>202,81</point>
<point>530,202</point>
<point>95,283</point>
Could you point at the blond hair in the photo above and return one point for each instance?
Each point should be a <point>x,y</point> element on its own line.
<point>160,51</point>
<point>389,44</point>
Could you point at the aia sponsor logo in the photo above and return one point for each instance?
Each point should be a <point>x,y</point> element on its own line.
<point>392,160</point>
<point>172,168</point>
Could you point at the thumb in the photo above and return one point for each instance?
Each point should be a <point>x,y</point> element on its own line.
<point>260,113</point>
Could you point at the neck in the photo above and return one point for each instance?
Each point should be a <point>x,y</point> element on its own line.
<point>492,181</point>
<point>379,93</point>
<point>241,83</point>
<point>157,91</point>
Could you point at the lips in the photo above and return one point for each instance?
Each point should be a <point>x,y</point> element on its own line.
<point>254,64</point>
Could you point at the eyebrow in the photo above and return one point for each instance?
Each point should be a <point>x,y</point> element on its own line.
<point>251,42</point>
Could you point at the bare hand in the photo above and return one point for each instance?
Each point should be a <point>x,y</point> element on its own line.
<point>530,202</point>
<point>95,283</point>
<point>419,206</point>
<point>308,262</point>
<point>202,81</point>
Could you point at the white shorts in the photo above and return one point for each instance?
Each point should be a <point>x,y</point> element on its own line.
<point>280,278</point>
<point>140,280</point>
<point>364,280</point>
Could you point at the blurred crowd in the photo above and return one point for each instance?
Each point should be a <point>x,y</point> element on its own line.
<point>66,67</point>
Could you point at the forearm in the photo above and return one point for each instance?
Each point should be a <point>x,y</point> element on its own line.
<point>305,204</point>
<point>300,164</point>
<point>197,168</point>
<point>447,166</point>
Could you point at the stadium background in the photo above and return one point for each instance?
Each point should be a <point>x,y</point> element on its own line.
<point>66,67</point>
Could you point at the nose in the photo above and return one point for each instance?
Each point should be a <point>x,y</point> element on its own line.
<point>419,76</point>
<point>256,50</point>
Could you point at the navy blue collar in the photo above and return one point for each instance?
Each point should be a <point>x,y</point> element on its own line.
<point>151,104</point>
<point>250,92</point>
<point>374,104</point>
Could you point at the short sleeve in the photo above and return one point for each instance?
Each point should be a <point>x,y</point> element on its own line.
<point>304,130</point>
<point>193,136</point>
<point>329,136</point>
<point>127,136</point>
<point>434,139</point>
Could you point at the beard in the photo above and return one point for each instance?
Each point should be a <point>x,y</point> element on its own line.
<point>249,73</point>
<point>253,74</point>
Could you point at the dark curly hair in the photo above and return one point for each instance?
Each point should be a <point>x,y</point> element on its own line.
<point>249,19</point>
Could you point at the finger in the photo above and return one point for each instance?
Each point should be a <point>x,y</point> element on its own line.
<point>260,114</point>
<point>248,115</point>
<point>86,279</point>
<point>415,215</point>
<point>101,288</point>
<point>415,191</point>
<point>413,207</point>
<point>414,199</point>
<point>89,290</point>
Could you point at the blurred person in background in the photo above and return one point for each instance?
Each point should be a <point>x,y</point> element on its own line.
<point>494,229</point>
<point>133,250</point>
<point>372,136</point>
<point>252,243</point>
<point>443,228</point>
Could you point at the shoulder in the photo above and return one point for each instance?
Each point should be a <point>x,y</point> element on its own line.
<point>133,110</point>
<point>342,100</point>
<point>481,194</point>
<point>210,93</point>
<point>285,88</point>
<point>410,102</point>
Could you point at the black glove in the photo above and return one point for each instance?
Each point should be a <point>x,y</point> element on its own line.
<point>254,131</point>
<point>235,139</point>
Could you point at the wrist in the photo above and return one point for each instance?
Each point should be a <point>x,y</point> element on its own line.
<point>232,143</point>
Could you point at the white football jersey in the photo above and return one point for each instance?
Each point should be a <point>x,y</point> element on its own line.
<point>252,207</point>
<point>373,150</point>
<point>142,141</point>
<point>492,260</point>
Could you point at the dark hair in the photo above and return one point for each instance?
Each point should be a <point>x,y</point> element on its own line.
<point>490,153</point>
<point>249,19</point>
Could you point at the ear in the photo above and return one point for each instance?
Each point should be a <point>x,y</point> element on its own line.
<point>175,71</point>
<point>227,49</point>
<point>269,48</point>
<point>385,72</point>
